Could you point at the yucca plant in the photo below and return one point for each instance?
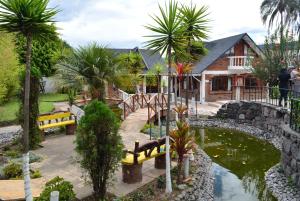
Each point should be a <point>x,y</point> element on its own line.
<point>182,142</point>
<point>167,38</point>
<point>195,22</point>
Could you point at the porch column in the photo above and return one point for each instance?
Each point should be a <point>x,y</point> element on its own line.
<point>202,90</point>
<point>144,85</point>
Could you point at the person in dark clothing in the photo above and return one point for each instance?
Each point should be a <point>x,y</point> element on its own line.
<point>284,78</point>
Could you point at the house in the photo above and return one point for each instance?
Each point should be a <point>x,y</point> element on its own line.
<point>227,64</point>
<point>224,72</point>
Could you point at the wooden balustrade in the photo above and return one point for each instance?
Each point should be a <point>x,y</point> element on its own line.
<point>137,101</point>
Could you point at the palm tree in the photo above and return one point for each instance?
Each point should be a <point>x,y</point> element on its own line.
<point>273,9</point>
<point>29,18</point>
<point>167,38</point>
<point>93,64</point>
<point>196,29</point>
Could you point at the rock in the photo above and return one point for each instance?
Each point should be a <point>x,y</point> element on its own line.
<point>241,116</point>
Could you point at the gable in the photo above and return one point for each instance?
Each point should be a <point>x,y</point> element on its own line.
<point>217,49</point>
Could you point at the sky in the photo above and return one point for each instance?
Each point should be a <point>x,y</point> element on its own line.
<point>120,23</point>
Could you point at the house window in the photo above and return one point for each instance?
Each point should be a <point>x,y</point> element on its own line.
<point>220,83</point>
<point>230,52</point>
<point>250,82</point>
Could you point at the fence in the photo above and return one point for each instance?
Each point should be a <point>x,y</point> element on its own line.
<point>263,94</point>
<point>295,114</point>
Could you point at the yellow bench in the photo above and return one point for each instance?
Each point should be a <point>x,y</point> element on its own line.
<point>58,119</point>
<point>132,161</point>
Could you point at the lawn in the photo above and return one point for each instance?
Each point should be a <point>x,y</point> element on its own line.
<point>8,111</point>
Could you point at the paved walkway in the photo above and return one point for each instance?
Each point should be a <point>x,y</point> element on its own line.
<point>59,159</point>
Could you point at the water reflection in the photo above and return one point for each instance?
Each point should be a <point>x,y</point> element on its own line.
<point>239,163</point>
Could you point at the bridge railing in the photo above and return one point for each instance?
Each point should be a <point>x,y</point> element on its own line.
<point>133,103</point>
<point>155,104</point>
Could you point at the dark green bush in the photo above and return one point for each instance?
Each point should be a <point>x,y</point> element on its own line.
<point>99,144</point>
<point>12,171</point>
<point>65,189</point>
<point>161,182</point>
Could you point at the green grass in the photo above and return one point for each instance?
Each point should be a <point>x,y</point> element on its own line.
<point>8,111</point>
<point>54,97</point>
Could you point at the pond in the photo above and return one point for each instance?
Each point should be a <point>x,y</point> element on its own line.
<point>239,163</point>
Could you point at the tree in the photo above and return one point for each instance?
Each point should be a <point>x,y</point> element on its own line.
<point>99,145</point>
<point>167,38</point>
<point>271,10</point>
<point>29,18</point>
<point>132,62</point>
<point>276,56</point>
<point>195,22</point>
<point>43,59</point>
<point>92,64</point>
<point>9,68</point>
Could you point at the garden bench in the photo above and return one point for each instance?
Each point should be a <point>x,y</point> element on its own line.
<point>57,119</point>
<point>132,161</point>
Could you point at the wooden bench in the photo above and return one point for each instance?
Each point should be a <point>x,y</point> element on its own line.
<point>57,119</point>
<point>132,161</point>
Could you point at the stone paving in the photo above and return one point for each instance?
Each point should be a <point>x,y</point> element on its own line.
<point>59,159</point>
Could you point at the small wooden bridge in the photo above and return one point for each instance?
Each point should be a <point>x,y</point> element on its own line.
<point>154,102</point>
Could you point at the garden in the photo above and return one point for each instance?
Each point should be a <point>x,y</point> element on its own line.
<point>107,154</point>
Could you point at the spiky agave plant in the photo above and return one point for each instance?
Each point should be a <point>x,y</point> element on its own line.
<point>182,142</point>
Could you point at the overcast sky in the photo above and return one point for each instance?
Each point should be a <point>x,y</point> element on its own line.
<point>119,23</point>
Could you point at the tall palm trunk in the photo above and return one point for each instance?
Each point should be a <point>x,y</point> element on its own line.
<point>168,167</point>
<point>26,173</point>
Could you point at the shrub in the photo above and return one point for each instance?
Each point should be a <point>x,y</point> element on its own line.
<point>12,153</point>
<point>12,171</point>
<point>99,145</point>
<point>36,174</point>
<point>65,189</point>
<point>161,182</point>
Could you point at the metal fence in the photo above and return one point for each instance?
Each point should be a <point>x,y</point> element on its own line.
<point>272,95</point>
<point>295,114</point>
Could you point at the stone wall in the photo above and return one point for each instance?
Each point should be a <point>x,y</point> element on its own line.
<point>290,155</point>
<point>264,116</point>
<point>274,120</point>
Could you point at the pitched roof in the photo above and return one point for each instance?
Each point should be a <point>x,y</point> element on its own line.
<point>149,57</point>
<point>218,48</point>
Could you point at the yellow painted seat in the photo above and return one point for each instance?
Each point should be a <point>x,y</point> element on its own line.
<point>129,160</point>
<point>57,124</point>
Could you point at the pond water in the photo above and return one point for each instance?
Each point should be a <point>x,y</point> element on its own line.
<point>239,163</point>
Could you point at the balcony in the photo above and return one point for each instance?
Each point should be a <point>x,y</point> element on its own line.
<point>240,64</point>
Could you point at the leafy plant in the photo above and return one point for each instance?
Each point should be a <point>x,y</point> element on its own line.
<point>13,170</point>
<point>161,182</point>
<point>92,64</point>
<point>71,96</point>
<point>99,145</point>
<point>13,153</point>
<point>183,142</point>
<point>36,174</point>
<point>65,189</point>
<point>180,110</point>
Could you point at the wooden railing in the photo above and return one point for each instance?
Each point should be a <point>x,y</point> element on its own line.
<point>133,103</point>
<point>154,103</point>
<point>240,61</point>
